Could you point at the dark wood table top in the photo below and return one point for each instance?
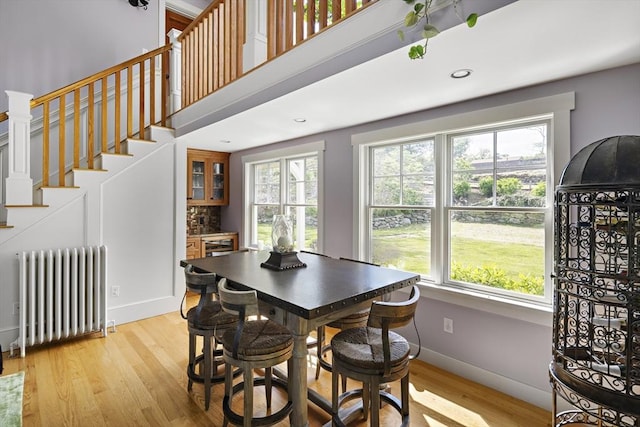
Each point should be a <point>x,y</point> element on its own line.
<point>325,285</point>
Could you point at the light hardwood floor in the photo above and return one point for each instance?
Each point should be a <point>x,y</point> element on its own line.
<point>137,376</point>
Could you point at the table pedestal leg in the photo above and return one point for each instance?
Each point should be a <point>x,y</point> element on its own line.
<point>298,378</point>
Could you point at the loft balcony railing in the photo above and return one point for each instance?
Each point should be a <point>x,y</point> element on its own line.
<point>95,115</point>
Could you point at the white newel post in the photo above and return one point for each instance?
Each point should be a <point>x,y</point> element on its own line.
<point>19,185</point>
<point>255,48</point>
<point>175,71</point>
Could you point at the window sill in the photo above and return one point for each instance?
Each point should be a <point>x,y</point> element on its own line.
<point>528,312</point>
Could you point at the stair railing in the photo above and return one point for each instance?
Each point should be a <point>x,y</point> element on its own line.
<point>99,112</point>
<point>212,45</point>
<point>212,49</point>
<point>96,114</point>
<point>290,23</point>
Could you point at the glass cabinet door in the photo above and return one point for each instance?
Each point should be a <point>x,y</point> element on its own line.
<point>207,178</point>
<point>217,182</point>
<point>197,180</point>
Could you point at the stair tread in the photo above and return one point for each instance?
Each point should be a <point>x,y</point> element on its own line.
<point>88,169</point>
<point>4,225</point>
<point>72,187</point>
<point>26,206</point>
<point>117,154</point>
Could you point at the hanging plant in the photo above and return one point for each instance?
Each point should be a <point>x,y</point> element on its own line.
<point>420,12</point>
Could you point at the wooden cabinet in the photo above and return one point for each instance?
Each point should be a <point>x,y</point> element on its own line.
<point>207,178</point>
<point>193,247</point>
<point>211,244</point>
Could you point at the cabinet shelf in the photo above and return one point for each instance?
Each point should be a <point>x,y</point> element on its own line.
<point>207,178</point>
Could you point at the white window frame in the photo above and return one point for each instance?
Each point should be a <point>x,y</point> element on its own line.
<point>557,108</point>
<point>281,155</point>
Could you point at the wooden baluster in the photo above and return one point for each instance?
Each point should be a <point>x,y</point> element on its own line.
<point>141,82</point>
<point>220,72</point>
<point>205,55</point>
<point>350,6</point>
<point>233,39</point>
<point>311,17</point>
<point>116,131</point>
<point>192,72</point>
<point>215,40</point>
<point>197,33</point>
<point>271,29</point>
<point>323,13</point>
<point>152,90</point>
<point>103,120</point>
<point>62,129</point>
<point>336,13</point>
<point>211,55</point>
<point>129,102</point>
<point>288,24</point>
<point>227,43</point>
<point>76,128</point>
<point>242,34</point>
<point>45,144</point>
<point>183,66</point>
<point>299,21</point>
<point>164,90</point>
<point>90,125</point>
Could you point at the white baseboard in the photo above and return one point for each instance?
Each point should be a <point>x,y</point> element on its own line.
<point>143,309</point>
<point>532,395</point>
<point>7,336</point>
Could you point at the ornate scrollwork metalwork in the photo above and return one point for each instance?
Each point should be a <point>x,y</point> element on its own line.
<point>596,331</point>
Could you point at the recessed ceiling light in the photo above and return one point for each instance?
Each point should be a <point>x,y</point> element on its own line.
<point>299,120</point>
<point>225,141</point>
<point>461,74</point>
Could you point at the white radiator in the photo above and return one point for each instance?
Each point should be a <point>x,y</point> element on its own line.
<point>63,293</point>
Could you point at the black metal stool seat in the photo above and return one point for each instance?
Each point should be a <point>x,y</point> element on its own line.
<point>374,355</point>
<point>253,344</point>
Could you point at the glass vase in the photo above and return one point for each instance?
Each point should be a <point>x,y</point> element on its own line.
<point>282,234</point>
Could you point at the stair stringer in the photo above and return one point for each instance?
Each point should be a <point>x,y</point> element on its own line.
<point>81,182</point>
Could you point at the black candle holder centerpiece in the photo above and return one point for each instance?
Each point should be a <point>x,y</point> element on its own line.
<point>282,257</point>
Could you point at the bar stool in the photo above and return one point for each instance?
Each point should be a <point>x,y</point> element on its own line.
<point>254,344</point>
<point>355,320</point>
<point>374,355</point>
<point>208,321</point>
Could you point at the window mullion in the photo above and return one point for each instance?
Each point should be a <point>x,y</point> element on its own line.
<point>439,227</point>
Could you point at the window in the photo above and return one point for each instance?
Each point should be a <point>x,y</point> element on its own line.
<point>496,207</point>
<point>402,195</point>
<point>467,206</point>
<point>288,184</point>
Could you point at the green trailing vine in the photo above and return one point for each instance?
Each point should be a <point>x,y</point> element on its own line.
<point>419,13</point>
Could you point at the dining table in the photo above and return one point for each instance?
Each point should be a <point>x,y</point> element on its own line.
<point>303,298</point>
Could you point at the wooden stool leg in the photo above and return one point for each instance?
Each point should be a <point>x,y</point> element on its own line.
<point>208,354</point>
<point>374,390</point>
<point>267,385</point>
<point>248,396</point>
<point>228,387</point>
<point>366,400</point>
<point>404,395</point>
<point>192,357</point>
<point>334,394</point>
<point>319,345</point>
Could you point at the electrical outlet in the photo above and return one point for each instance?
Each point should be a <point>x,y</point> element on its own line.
<point>448,325</point>
<point>115,291</point>
<point>16,308</point>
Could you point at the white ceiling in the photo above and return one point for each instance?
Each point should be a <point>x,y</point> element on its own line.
<point>522,44</point>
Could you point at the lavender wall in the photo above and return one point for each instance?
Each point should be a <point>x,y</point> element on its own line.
<point>50,44</point>
<point>607,103</point>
